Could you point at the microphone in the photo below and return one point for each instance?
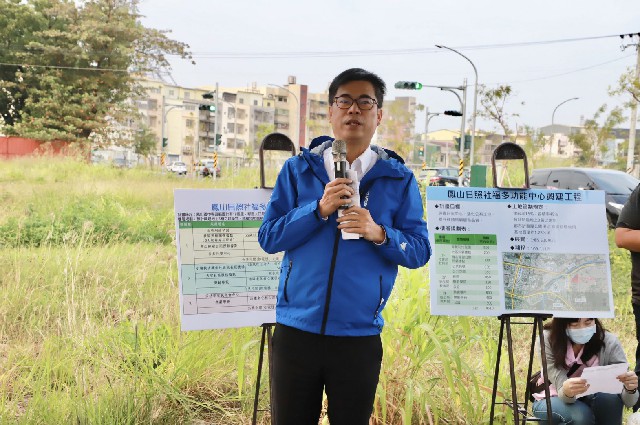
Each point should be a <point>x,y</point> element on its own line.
<point>339,152</point>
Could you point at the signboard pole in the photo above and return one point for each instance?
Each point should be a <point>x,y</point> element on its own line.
<point>272,142</point>
<point>511,151</point>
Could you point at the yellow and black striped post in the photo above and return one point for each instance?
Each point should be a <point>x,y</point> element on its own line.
<point>461,168</point>
<point>163,158</point>
<point>215,160</point>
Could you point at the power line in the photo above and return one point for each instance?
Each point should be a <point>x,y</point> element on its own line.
<point>337,53</point>
<point>571,72</point>
<point>378,52</point>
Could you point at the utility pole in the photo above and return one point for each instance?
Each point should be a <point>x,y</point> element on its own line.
<point>631,165</point>
<point>475,101</point>
<point>215,133</point>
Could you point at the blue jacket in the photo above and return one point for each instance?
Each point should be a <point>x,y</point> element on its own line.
<point>329,285</point>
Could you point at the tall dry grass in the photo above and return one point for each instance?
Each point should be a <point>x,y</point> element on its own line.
<point>89,316</point>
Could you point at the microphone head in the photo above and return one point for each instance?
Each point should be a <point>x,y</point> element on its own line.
<point>339,150</point>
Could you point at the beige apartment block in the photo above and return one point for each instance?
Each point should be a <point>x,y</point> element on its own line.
<point>244,115</point>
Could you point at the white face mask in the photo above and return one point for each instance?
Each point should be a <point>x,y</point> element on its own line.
<point>582,335</point>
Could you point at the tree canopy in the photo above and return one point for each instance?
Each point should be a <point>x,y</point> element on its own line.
<point>68,68</point>
<point>592,140</point>
<point>493,106</point>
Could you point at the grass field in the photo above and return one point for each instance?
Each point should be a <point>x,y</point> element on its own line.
<point>89,316</point>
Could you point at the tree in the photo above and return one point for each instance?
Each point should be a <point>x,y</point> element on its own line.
<point>262,131</point>
<point>535,143</point>
<point>627,84</point>
<point>592,139</point>
<point>78,65</point>
<point>493,106</point>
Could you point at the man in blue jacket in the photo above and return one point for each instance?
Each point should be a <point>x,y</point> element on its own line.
<point>333,288</point>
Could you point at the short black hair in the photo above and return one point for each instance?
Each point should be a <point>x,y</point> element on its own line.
<point>358,74</point>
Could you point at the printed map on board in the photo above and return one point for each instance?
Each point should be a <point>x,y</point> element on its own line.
<point>570,282</point>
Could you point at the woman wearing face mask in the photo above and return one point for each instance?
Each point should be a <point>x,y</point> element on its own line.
<point>570,346</point>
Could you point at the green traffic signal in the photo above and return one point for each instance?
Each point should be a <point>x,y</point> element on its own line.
<point>210,108</point>
<point>165,142</point>
<point>408,85</point>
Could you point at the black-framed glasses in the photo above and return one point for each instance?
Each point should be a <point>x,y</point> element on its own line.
<point>345,102</point>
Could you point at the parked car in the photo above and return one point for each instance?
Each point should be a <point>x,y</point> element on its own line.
<point>205,168</point>
<point>616,184</point>
<point>439,176</point>
<point>178,167</point>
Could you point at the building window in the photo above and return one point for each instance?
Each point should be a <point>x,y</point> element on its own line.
<point>241,101</point>
<point>189,123</point>
<point>172,92</point>
<point>187,95</point>
<point>255,103</point>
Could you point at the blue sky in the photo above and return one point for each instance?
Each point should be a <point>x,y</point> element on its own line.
<point>235,42</point>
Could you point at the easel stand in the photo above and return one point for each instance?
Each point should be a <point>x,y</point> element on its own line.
<point>520,412</point>
<point>272,142</point>
<point>267,334</point>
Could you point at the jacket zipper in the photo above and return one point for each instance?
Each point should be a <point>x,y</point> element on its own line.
<point>381,300</point>
<point>286,281</point>
<point>330,284</point>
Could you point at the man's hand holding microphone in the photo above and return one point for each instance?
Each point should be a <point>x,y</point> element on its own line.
<point>338,195</point>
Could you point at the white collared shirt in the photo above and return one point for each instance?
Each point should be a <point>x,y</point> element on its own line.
<point>361,165</point>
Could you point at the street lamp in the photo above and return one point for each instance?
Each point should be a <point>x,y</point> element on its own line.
<point>560,104</point>
<point>475,101</point>
<point>297,111</point>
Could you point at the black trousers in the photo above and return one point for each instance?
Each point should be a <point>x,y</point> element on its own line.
<point>305,364</point>
<point>636,314</point>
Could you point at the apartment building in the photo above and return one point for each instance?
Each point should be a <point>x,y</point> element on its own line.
<point>241,116</point>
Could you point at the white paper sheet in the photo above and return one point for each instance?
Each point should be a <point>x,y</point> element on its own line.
<point>602,379</point>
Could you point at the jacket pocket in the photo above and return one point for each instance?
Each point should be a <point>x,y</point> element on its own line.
<point>286,281</point>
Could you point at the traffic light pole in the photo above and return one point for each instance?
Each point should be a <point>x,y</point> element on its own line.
<point>462,101</point>
<point>475,100</point>
<point>414,85</point>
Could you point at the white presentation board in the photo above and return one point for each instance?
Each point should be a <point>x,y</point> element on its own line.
<point>226,280</point>
<point>518,251</point>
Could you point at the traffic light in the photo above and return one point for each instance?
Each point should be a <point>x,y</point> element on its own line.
<point>218,139</point>
<point>210,108</point>
<point>453,113</point>
<point>421,151</point>
<point>408,85</point>
<point>165,142</point>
